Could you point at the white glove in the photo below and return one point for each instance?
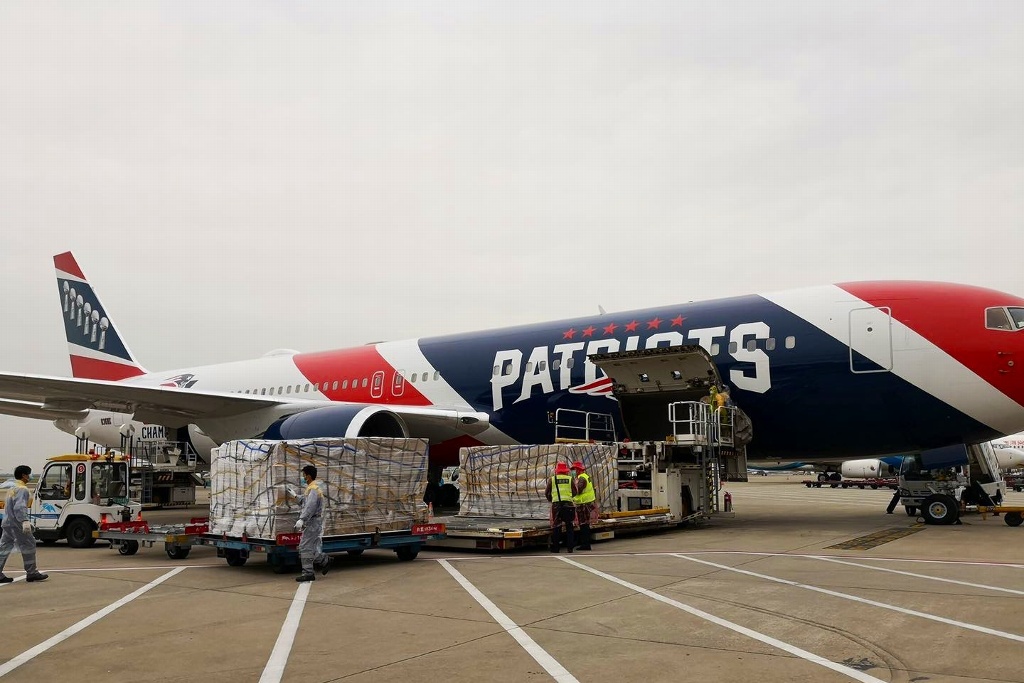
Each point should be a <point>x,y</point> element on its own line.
<point>26,527</point>
<point>298,525</point>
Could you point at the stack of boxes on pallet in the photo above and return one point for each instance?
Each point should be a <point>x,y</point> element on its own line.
<point>367,484</point>
<point>509,481</point>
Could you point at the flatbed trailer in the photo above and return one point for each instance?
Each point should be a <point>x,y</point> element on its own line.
<point>1013,515</point>
<point>282,552</point>
<point>507,533</point>
<point>128,537</point>
<point>876,483</point>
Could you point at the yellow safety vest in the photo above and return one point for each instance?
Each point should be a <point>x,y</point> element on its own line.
<point>561,488</point>
<point>587,495</point>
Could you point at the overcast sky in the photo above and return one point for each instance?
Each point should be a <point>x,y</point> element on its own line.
<point>240,177</point>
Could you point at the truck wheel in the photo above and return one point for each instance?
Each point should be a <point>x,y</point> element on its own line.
<point>407,552</point>
<point>177,552</point>
<point>1013,518</point>
<point>355,552</point>
<point>79,533</point>
<point>873,487</point>
<point>807,484</point>
<point>911,511</point>
<point>128,547</point>
<point>234,557</point>
<point>940,509</point>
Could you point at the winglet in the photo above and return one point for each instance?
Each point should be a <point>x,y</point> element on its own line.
<point>95,346</point>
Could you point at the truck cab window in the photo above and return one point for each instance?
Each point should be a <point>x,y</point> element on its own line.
<point>56,483</point>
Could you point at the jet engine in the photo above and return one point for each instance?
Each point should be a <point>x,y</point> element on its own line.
<point>867,469</point>
<point>349,420</point>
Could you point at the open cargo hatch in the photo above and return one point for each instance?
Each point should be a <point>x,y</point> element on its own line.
<point>647,381</point>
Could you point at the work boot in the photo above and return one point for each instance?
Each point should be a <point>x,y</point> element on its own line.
<point>583,547</point>
<point>38,576</point>
<point>305,577</point>
<point>325,566</point>
<point>553,548</point>
<point>5,579</point>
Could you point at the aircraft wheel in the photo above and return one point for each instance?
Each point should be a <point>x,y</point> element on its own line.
<point>1013,518</point>
<point>835,476</point>
<point>822,476</point>
<point>128,548</point>
<point>940,509</point>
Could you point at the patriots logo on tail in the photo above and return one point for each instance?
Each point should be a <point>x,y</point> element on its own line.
<point>180,381</point>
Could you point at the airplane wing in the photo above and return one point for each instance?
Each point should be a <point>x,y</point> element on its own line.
<point>161,405</point>
<point>53,398</point>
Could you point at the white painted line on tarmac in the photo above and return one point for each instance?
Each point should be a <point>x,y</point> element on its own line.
<point>919,576</point>
<point>27,655</point>
<point>274,669</point>
<point>865,601</point>
<point>743,630</point>
<point>550,664</point>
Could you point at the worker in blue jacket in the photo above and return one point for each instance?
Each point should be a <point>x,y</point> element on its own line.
<point>17,528</point>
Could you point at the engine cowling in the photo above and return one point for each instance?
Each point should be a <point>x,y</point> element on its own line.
<point>349,420</point>
<point>866,469</point>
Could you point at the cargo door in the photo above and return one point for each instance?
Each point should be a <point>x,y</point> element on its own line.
<point>870,340</point>
<point>646,381</point>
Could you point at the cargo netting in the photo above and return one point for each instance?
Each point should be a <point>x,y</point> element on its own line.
<point>509,481</point>
<point>368,484</point>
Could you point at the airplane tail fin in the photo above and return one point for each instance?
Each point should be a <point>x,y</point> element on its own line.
<point>96,348</point>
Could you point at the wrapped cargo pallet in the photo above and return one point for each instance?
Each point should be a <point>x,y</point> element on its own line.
<point>368,484</point>
<point>509,481</point>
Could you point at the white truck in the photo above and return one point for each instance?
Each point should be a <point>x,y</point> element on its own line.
<point>941,483</point>
<point>75,493</point>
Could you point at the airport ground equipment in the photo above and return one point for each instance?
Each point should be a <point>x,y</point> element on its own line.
<point>944,482</point>
<point>1013,515</point>
<point>875,483</point>
<point>651,484</point>
<point>283,555</point>
<point>75,493</point>
<point>178,539</point>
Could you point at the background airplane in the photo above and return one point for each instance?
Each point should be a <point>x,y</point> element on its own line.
<point>857,369</point>
<point>1009,452</point>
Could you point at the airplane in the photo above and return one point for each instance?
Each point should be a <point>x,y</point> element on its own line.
<point>858,369</point>
<point>1008,452</point>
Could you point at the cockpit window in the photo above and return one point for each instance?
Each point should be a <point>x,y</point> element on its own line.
<point>996,319</point>
<point>1010,318</point>
<point>1017,316</point>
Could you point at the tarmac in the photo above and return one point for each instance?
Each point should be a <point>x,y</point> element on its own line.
<point>800,585</point>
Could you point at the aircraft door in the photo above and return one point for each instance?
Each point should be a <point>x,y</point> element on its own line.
<point>871,340</point>
<point>377,384</point>
<point>398,383</point>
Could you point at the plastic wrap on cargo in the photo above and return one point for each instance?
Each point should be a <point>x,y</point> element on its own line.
<point>368,484</point>
<point>509,481</point>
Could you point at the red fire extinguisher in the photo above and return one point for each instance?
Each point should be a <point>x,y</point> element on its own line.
<point>728,502</point>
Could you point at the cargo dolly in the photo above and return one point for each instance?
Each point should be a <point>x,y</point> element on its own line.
<point>1013,515</point>
<point>129,536</point>
<point>283,554</point>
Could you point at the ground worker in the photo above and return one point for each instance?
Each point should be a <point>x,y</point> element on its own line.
<point>585,502</point>
<point>560,490</point>
<point>17,528</point>
<point>311,524</point>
